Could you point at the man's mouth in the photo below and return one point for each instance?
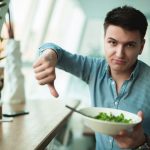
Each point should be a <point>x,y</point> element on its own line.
<point>119,61</point>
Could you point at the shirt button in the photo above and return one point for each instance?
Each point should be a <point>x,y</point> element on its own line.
<point>113,82</point>
<point>116,103</point>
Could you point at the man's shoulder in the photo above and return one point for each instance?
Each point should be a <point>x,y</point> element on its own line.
<point>98,61</point>
<point>144,65</point>
<point>98,64</point>
<point>144,68</point>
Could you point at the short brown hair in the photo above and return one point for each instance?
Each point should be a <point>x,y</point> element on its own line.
<point>127,17</point>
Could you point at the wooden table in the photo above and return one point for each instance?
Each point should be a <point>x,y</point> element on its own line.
<point>38,128</point>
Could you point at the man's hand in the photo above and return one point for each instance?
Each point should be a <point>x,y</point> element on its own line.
<point>44,69</point>
<point>132,139</point>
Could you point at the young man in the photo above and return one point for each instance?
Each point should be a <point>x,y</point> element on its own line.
<point>120,81</point>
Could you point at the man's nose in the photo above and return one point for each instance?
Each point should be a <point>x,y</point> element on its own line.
<point>119,51</point>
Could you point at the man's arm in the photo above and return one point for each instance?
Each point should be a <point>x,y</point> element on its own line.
<point>77,65</point>
<point>51,56</point>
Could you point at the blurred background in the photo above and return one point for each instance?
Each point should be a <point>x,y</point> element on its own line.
<point>75,25</point>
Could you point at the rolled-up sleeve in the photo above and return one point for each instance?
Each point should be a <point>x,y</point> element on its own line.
<point>52,46</point>
<point>78,65</point>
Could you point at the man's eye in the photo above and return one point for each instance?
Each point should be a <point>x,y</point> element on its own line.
<point>113,43</point>
<point>130,45</point>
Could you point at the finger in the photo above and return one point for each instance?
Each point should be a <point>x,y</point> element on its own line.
<point>40,68</point>
<point>42,80</point>
<point>121,134</point>
<point>53,89</point>
<point>140,114</point>
<point>37,63</point>
<point>42,76</point>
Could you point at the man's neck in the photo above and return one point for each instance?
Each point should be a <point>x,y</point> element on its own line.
<point>119,78</point>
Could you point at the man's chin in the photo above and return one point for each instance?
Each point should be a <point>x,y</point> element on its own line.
<point>117,68</point>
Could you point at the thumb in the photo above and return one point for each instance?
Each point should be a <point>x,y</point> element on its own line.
<point>140,114</point>
<point>53,90</point>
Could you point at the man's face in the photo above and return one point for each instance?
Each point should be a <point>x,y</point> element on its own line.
<point>122,48</point>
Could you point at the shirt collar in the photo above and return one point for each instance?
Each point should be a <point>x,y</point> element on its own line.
<point>135,72</point>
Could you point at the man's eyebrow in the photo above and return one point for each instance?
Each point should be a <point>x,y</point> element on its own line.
<point>128,42</point>
<point>110,38</point>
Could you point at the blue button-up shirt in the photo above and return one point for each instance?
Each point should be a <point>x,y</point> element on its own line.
<point>133,96</point>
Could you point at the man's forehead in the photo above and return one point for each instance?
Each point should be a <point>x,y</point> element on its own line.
<point>121,34</point>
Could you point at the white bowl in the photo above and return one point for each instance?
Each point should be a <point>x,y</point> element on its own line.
<point>107,127</point>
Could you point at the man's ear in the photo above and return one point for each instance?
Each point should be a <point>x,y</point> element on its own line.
<point>140,52</point>
<point>142,46</point>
